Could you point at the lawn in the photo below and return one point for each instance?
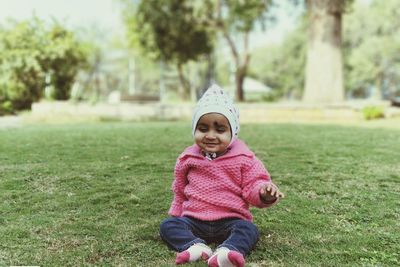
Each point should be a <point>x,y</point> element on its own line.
<point>74,195</point>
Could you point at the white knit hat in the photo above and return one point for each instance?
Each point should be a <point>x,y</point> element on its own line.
<point>216,100</point>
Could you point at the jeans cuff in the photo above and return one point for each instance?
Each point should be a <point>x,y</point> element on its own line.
<point>191,243</point>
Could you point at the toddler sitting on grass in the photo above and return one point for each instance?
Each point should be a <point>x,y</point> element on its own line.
<point>216,180</point>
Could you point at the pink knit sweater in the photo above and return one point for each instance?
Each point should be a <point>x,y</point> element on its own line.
<point>221,188</point>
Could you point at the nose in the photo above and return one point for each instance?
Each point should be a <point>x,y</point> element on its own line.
<point>210,135</point>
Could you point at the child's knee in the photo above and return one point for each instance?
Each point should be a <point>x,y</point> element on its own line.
<point>166,224</point>
<point>171,223</point>
<point>250,228</point>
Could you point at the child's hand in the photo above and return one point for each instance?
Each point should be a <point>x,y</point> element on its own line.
<point>269,193</point>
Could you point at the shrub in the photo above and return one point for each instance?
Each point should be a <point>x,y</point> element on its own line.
<point>373,112</point>
<point>28,51</point>
<point>6,108</point>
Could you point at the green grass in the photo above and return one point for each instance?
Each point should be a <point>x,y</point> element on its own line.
<point>73,195</point>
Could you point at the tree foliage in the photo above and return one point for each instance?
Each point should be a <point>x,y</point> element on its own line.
<point>236,17</point>
<point>177,31</point>
<point>169,30</point>
<point>282,66</point>
<point>62,58</point>
<point>372,45</point>
<point>30,50</point>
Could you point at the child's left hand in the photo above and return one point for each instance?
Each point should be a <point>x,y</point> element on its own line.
<point>269,193</point>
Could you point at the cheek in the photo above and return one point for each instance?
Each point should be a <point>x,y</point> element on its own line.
<point>227,138</point>
<point>198,136</point>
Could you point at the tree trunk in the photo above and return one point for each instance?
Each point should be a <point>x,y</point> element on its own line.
<point>241,63</point>
<point>184,89</point>
<point>324,77</point>
<point>240,75</point>
<point>162,82</point>
<point>376,92</point>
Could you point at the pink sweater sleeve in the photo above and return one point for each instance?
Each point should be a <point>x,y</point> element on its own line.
<point>254,178</point>
<point>178,187</point>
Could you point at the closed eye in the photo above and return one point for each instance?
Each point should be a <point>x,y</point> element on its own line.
<point>202,129</point>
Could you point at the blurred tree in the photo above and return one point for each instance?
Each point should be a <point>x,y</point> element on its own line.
<point>237,17</point>
<point>169,30</point>
<point>182,30</point>
<point>282,66</point>
<point>28,52</point>
<point>324,76</point>
<point>372,45</point>
<point>21,76</point>
<point>62,56</point>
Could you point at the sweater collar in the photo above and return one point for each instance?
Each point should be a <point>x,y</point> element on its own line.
<point>237,148</point>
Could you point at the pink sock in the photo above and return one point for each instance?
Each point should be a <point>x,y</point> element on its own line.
<point>194,253</point>
<point>225,257</point>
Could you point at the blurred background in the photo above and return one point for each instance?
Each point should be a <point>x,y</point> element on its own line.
<point>153,59</point>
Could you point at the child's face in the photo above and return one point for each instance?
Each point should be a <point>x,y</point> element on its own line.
<point>213,133</point>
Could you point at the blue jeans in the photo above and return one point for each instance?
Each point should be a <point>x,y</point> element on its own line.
<point>235,234</point>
